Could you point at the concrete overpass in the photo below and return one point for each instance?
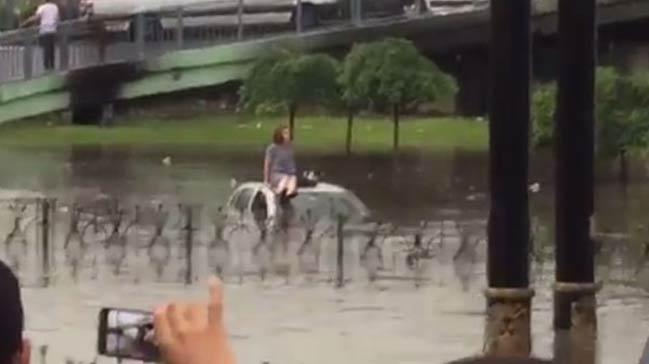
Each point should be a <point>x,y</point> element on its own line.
<point>151,71</point>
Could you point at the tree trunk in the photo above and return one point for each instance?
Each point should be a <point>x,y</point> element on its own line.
<point>624,170</point>
<point>395,119</point>
<point>350,126</point>
<point>291,119</point>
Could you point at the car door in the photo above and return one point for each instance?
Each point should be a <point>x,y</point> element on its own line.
<point>259,208</point>
<point>230,210</point>
<point>239,203</point>
<point>264,206</point>
<point>239,221</point>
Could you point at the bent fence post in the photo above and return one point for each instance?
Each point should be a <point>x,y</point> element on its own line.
<point>45,233</point>
<point>189,244</point>
<point>340,252</point>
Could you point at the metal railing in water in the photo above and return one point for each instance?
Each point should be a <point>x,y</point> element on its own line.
<point>47,242</point>
<point>88,42</point>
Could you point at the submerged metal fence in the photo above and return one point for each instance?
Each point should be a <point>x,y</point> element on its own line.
<point>47,242</point>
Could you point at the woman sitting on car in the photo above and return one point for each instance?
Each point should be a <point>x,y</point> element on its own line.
<point>280,172</point>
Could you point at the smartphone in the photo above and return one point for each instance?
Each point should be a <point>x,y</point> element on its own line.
<point>127,334</point>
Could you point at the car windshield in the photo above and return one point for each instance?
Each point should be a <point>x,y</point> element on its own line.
<point>323,205</point>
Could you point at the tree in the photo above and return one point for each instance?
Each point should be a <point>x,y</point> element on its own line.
<point>12,12</point>
<point>354,82</point>
<point>286,80</point>
<point>8,15</point>
<point>392,73</point>
<point>621,113</point>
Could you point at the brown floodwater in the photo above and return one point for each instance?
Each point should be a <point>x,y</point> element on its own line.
<point>431,314</point>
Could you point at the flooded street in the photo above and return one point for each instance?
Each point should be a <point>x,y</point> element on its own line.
<point>296,315</point>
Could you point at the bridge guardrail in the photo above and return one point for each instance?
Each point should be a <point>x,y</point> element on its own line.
<point>89,41</point>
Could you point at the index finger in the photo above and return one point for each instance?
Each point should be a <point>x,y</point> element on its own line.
<point>161,327</point>
<point>215,304</point>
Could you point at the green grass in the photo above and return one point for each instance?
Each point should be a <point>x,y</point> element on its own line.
<point>317,134</point>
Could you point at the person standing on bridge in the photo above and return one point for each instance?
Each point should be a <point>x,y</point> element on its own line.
<point>48,17</point>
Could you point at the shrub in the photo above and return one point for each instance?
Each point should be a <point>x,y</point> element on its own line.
<point>392,73</point>
<point>543,105</point>
<point>286,81</point>
<point>621,112</point>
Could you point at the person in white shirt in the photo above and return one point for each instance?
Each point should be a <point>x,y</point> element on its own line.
<point>48,17</point>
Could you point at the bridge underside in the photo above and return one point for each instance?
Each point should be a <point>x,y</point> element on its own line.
<point>458,42</point>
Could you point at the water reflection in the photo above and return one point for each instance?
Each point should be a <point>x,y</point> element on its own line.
<point>428,269</point>
<point>128,239</point>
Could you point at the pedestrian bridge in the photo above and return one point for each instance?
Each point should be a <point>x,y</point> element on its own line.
<point>91,68</point>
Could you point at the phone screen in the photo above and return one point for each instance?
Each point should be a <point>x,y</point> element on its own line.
<point>127,334</point>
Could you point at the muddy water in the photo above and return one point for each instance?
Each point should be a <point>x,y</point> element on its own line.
<point>296,317</point>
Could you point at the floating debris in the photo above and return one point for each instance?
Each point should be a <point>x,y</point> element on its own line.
<point>535,187</point>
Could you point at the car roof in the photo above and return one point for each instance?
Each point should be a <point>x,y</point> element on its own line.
<point>321,187</point>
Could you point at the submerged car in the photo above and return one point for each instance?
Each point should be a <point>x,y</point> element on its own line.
<point>307,223</point>
<point>255,202</point>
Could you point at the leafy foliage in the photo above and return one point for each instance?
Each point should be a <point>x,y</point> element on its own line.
<point>286,80</point>
<point>621,109</point>
<point>257,90</point>
<point>543,106</point>
<point>353,79</point>
<point>21,10</point>
<point>392,72</point>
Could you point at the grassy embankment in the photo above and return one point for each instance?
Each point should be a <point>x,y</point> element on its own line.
<point>315,134</point>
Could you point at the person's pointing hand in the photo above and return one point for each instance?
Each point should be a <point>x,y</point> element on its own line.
<point>191,333</point>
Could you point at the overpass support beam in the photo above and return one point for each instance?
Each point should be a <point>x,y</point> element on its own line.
<point>575,316</point>
<point>472,75</point>
<point>509,295</point>
<point>356,12</point>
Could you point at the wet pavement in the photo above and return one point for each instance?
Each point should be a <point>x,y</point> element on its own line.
<point>297,316</point>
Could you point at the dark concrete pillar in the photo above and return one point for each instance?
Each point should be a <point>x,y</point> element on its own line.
<point>575,308</point>
<point>87,114</point>
<point>509,296</point>
<point>472,75</point>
